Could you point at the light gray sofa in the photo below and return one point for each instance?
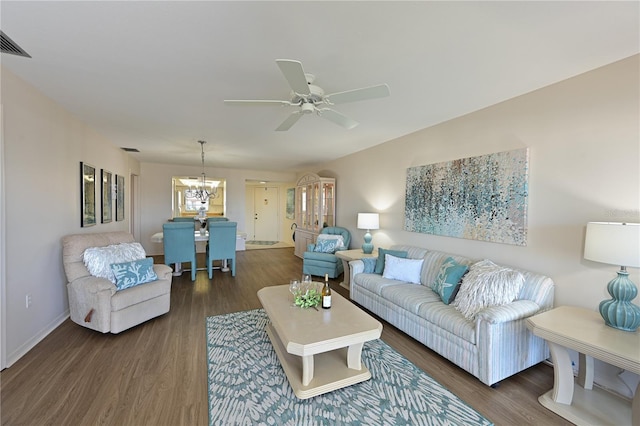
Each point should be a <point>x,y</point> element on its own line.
<point>95,303</point>
<point>495,346</point>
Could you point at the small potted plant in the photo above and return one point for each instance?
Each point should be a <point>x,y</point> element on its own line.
<point>307,298</point>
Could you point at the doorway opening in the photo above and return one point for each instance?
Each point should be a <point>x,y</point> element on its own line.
<point>265,216</point>
<point>266,220</point>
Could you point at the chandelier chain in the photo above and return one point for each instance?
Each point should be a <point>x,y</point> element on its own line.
<point>203,194</point>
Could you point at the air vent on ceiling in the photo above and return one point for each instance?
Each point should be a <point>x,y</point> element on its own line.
<point>129,149</point>
<point>9,46</point>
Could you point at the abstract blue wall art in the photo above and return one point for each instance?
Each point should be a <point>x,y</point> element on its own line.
<point>478,198</point>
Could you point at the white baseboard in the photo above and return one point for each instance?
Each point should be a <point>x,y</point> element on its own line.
<point>27,346</point>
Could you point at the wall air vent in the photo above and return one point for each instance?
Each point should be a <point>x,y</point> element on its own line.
<point>9,46</point>
<point>130,149</point>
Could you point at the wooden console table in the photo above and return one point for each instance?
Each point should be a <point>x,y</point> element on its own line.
<point>583,330</point>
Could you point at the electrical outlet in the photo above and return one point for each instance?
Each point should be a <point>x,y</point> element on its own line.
<point>28,300</point>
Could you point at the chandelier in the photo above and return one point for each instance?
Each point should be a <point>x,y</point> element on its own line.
<point>203,193</point>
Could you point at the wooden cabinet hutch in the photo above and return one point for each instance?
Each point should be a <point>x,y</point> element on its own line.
<point>315,209</point>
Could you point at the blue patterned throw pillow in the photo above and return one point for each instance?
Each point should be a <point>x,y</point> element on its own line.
<point>369,264</point>
<point>130,274</point>
<point>448,280</point>
<point>326,245</point>
<point>380,262</point>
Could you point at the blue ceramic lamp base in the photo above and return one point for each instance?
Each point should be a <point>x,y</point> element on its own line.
<point>619,312</point>
<point>367,247</point>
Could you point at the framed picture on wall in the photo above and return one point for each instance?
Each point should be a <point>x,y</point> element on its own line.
<point>119,198</point>
<point>87,195</point>
<point>478,198</point>
<point>291,196</point>
<point>106,202</point>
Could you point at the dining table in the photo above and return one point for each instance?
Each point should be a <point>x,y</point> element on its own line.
<point>202,235</point>
<point>158,237</point>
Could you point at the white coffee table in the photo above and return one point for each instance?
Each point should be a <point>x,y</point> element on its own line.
<point>320,350</point>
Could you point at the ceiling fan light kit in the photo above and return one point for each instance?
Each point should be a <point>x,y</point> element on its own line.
<point>309,97</point>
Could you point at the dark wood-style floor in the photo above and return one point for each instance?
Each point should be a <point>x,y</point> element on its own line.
<point>156,373</point>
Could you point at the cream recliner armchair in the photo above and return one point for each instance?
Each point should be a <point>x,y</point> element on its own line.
<point>95,303</point>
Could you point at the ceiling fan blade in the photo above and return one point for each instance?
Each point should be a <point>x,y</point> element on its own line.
<point>379,91</point>
<point>294,73</point>
<point>290,121</point>
<point>248,102</point>
<point>336,117</point>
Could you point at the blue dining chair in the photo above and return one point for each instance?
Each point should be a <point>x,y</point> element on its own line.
<point>214,219</point>
<point>218,219</point>
<point>222,244</point>
<point>179,244</point>
<point>184,219</point>
<point>188,219</point>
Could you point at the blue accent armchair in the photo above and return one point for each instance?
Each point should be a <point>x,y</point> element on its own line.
<point>222,244</point>
<point>180,244</point>
<point>318,263</point>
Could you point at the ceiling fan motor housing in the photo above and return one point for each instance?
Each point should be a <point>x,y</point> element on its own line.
<point>315,97</point>
<point>307,108</point>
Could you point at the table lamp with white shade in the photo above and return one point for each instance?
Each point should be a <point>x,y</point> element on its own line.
<point>616,244</point>
<point>368,221</point>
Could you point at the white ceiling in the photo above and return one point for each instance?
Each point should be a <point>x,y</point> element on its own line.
<point>153,75</point>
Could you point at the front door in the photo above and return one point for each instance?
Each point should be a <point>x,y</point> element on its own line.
<point>265,214</point>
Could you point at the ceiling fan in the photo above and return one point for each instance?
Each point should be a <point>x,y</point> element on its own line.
<point>311,98</point>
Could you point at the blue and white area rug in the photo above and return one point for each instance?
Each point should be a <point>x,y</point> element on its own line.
<point>247,385</point>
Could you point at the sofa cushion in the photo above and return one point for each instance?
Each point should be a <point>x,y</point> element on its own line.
<point>448,281</point>
<point>433,260</point>
<point>130,274</point>
<point>413,252</point>
<point>487,284</point>
<point>320,258</point>
<point>139,294</point>
<point>380,262</point>
<point>408,296</point>
<point>448,318</point>
<point>374,282</point>
<point>400,269</point>
<point>73,247</point>
<point>98,260</point>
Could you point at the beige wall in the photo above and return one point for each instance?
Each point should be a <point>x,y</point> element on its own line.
<point>43,148</point>
<point>584,146</point>
<point>583,138</point>
<point>155,194</point>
